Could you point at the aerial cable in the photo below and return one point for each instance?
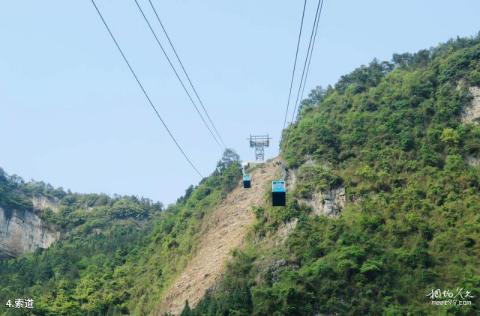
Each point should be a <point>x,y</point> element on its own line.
<point>310,58</point>
<point>144,91</point>
<point>294,65</point>
<point>306,62</point>
<point>186,74</point>
<point>177,75</point>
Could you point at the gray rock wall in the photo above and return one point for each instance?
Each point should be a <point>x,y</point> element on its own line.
<point>471,113</point>
<point>22,232</point>
<point>329,203</point>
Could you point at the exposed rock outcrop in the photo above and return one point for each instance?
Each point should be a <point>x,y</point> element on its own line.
<point>471,114</point>
<point>473,161</point>
<point>329,203</point>
<point>43,203</point>
<point>277,267</point>
<point>22,232</point>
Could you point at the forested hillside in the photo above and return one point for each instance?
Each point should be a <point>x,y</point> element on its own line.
<point>394,136</point>
<point>116,255</point>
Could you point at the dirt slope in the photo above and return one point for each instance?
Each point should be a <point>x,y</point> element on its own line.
<point>224,230</point>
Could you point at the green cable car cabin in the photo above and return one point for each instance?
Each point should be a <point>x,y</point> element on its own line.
<point>247,181</point>
<point>279,193</point>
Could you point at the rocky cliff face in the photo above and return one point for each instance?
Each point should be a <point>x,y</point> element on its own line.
<point>22,232</point>
<point>471,113</point>
<point>329,202</point>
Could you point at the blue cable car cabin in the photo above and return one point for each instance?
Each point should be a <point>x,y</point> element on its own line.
<point>278,193</point>
<point>247,182</point>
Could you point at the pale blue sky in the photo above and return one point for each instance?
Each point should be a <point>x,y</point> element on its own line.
<point>71,114</point>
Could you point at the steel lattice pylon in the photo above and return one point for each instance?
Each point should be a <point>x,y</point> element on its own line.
<point>259,142</point>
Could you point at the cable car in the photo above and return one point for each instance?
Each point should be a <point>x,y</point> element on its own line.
<point>278,193</point>
<point>247,183</point>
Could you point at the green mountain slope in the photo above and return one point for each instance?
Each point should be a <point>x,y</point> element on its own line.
<point>97,233</point>
<point>116,255</point>
<point>391,135</point>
